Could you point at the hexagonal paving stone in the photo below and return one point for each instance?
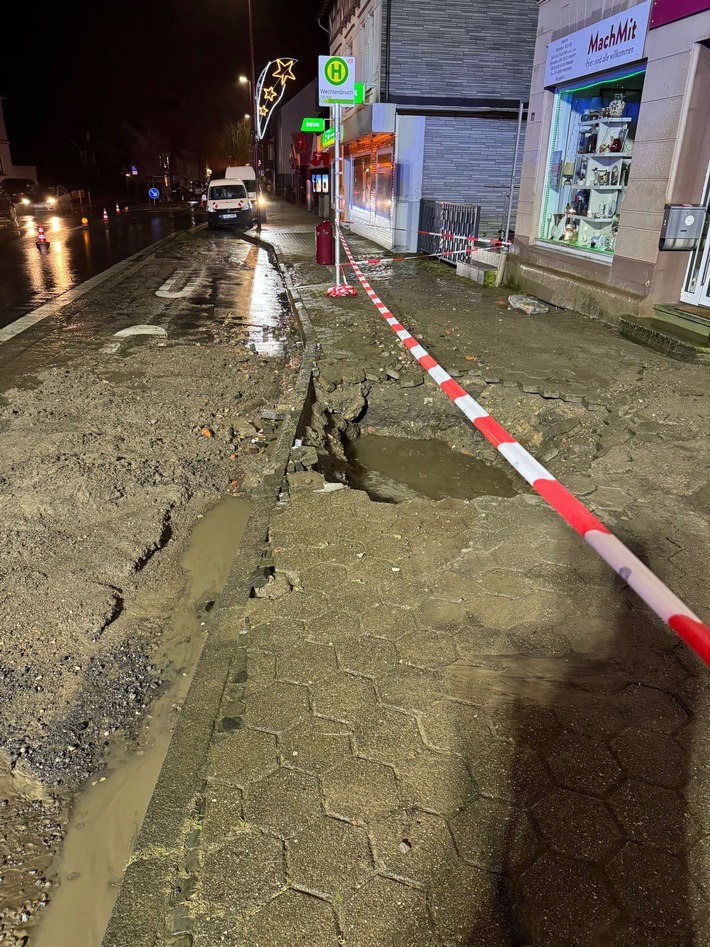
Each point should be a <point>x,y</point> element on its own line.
<point>435,781</point>
<point>652,887</point>
<point>651,756</point>
<point>650,815</point>
<point>504,771</point>
<point>367,655</point>
<point>304,606</point>
<point>427,649</point>
<point>411,845</point>
<point>316,746</point>
<point>576,824</point>
<point>527,722</point>
<point>261,670</point>
<point>582,764</point>
<point>456,728</point>
<point>309,661</point>
<point>494,836</point>
<point>468,908</point>
<point>343,697</point>
<point>330,858</point>
<point>596,716</point>
<point>295,918</point>
<point>388,913</point>
<point>283,803</point>
<point>387,736</point>
<point>410,688</point>
<point>361,790</point>
<point>390,623</point>
<point>565,899</point>
<point>245,871</point>
<point>242,755</point>
<point>276,636</point>
<point>224,812</point>
<point>653,709</point>
<point>277,708</point>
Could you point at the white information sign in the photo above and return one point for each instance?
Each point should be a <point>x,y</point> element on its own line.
<point>600,46</point>
<point>336,80</point>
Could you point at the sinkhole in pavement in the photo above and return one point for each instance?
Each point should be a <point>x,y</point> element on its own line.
<point>394,469</point>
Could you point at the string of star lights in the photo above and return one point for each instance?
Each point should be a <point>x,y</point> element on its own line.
<point>270,90</point>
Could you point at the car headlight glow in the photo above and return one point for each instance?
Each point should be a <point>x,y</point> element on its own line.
<point>50,200</point>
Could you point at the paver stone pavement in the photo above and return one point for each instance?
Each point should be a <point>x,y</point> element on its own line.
<point>459,726</point>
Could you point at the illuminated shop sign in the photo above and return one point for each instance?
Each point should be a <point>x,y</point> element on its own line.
<point>600,46</point>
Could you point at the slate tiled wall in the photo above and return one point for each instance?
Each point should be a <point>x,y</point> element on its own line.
<point>462,48</point>
<point>469,160</point>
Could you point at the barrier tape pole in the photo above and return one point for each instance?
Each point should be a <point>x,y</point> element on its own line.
<point>638,576</point>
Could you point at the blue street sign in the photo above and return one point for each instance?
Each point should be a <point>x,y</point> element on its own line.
<point>154,193</point>
<point>134,169</point>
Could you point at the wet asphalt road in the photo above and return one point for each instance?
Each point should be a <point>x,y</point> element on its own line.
<point>188,282</point>
<point>29,278</point>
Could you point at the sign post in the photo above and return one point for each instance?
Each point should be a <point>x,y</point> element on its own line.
<point>336,87</point>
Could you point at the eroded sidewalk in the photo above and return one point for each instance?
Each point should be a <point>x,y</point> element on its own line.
<point>447,722</point>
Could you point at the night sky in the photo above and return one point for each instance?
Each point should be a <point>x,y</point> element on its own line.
<point>78,67</point>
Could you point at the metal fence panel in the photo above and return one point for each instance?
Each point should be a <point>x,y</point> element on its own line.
<point>444,229</point>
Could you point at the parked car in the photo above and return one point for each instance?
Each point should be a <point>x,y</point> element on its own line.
<point>47,198</point>
<point>17,188</point>
<point>8,214</point>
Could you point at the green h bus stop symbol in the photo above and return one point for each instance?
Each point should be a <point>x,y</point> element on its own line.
<point>336,71</point>
<point>336,80</point>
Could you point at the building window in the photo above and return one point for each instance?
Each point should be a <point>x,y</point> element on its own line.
<point>590,161</point>
<point>383,186</point>
<point>361,182</point>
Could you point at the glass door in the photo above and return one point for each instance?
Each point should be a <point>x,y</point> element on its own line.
<point>696,289</point>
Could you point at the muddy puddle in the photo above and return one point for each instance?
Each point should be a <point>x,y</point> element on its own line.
<point>107,815</point>
<point>394,469</point>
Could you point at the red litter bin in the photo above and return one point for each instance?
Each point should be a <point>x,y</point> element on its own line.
<point>325,243</point>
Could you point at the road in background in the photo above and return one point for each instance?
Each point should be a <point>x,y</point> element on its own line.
<point>30,277</point>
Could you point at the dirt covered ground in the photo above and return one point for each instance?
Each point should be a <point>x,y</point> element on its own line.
<point>105,464</point>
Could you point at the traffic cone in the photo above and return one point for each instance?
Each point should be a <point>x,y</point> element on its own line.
<point>41,239</point>
<point>105,214</point>
<point>125,209</point>
<point>118,209</point>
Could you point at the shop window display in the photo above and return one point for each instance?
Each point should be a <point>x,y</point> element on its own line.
<point>591,155</point>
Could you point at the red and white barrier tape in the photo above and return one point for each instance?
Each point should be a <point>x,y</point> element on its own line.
<point>639,577</point>
<point>414,256</point>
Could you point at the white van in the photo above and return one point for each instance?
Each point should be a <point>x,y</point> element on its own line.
<point>246,173</point>
<point>228,204</point>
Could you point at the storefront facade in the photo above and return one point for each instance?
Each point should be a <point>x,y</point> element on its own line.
<point>617,129</point>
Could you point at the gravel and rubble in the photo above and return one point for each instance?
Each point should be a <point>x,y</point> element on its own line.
<point>107,463</point>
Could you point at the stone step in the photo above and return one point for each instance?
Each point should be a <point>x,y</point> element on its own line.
<point>691,318</point>
<point>666,337</point>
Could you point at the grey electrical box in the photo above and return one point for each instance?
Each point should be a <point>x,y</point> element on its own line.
<point>682,226</point>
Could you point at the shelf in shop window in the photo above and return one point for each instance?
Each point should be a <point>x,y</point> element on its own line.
<point>604,154</point>
<point>603,121</point>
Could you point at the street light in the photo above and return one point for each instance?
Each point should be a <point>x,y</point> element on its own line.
<point>252,87</point>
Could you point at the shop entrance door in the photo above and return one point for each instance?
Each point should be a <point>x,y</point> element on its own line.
<point>696,289</point>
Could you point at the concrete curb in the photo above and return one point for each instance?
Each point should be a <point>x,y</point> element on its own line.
<point>148,892</point>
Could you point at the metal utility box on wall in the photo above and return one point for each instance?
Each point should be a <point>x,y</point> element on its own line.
<point>682,226</point>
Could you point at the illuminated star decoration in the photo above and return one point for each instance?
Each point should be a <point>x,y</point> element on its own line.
<point>277,73</point>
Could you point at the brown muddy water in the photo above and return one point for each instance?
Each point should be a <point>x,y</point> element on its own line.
<point>107,815</point>
<point>394,469</point>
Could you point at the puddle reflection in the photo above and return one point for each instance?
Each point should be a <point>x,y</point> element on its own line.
<point>394,469</point>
